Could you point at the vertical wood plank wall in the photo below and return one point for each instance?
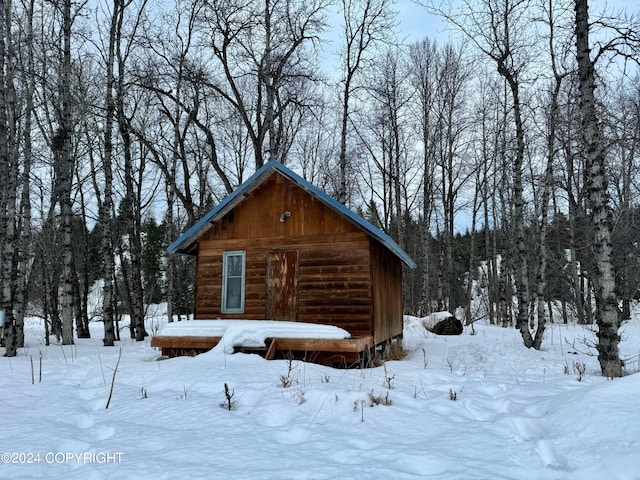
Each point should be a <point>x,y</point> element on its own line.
<point>282,285</point>
<point>387,293</point>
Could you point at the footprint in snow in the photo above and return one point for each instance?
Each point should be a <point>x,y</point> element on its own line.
<point>549,457</point>
<point>531,429</point>
<point>103,432</point>
<point>525,429</point>
<point>84,421</point>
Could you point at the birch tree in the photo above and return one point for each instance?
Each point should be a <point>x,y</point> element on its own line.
<point>105,206</point>
<point>550,18</point>
<point>572,184</point>
<point>498,28</point>
<point>607,310</point>
<point>622,124</point>
<point>63,167</point>
<point>8,177</point>
<point>454,163</point>
<point>26,255</point>
<point>423,65</point>
<point>130,204</point>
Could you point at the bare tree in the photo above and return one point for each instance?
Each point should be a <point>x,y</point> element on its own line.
<point>607,310</point>
<point>264,50</point>
<point>25,259</point>
<point>622,126</point>
<point>454,161</point>
<point>189,111</point>
<point>179,118</point>
<point>489,118</point>
<point>387,142</point>
<point>555,51</point>
<point>423,68</point>
<point>571,182</point>
<point>366,25</point>
<point>61,144</point>
<point>183,137</point>
<point>316,145</point>
<point>105,207</point>
<point>499,30</point>
<point>130,205</point>
<point>8,177</point>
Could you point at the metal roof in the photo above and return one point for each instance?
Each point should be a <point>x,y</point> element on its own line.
<point>186,240</point>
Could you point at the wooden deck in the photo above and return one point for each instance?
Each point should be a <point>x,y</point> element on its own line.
<point>346,352</point>
<point>183,345</point>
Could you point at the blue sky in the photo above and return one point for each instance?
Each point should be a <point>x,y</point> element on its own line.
<point>416,23</point>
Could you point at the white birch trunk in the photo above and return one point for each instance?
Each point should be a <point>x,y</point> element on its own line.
<point>607,310</point>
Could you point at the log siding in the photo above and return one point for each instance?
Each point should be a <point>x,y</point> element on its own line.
<point>344,276</point>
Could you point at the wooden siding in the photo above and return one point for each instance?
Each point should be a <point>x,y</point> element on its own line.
<point>258,216</point>
<point>344,277</point>
<point>387,293</point>
<point>333,279</point>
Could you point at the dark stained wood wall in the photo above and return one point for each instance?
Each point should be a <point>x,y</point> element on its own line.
<point>387,293</point>
<point>258,216</point>
<point>345,278</point>
<point>334,277</point>
<point>333,280</point>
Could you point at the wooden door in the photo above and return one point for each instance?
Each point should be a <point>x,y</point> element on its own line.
<point>282,285</point>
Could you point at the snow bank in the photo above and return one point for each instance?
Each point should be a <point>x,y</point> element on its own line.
<point>250,333</point>
<point>518,413</point>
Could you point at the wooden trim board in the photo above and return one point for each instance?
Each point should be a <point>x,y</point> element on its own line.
<point>185,342</point>
<point>357,344</point>
<point>313,348</point>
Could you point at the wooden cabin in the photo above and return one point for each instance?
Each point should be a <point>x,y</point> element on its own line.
<point>279,248</point>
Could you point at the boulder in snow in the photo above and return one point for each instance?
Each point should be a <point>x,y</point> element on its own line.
<point>443,323</point>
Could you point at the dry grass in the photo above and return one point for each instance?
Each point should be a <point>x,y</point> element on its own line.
<point>393,350</point>
<point>379,399</point>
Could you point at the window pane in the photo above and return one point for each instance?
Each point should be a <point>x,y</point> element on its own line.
<point>233,282</point>
<point>234,293</point>
<point>234,265</point>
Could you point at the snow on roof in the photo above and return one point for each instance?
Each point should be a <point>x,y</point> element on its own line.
<point>182,244</point>
<point>250,333</point>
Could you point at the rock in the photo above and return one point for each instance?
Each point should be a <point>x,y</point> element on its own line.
<point>448,326</point>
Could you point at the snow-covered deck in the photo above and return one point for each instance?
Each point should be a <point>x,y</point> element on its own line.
<point>315,341</point>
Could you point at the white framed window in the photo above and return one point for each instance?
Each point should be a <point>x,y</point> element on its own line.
<point>233,268</point>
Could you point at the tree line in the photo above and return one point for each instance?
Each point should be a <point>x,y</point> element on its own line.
<point>490,157</point>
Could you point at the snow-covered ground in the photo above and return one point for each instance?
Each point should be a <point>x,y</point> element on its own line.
<point>468,407</point>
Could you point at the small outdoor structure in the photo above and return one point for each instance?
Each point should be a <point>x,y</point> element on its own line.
<point>278,248</point>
